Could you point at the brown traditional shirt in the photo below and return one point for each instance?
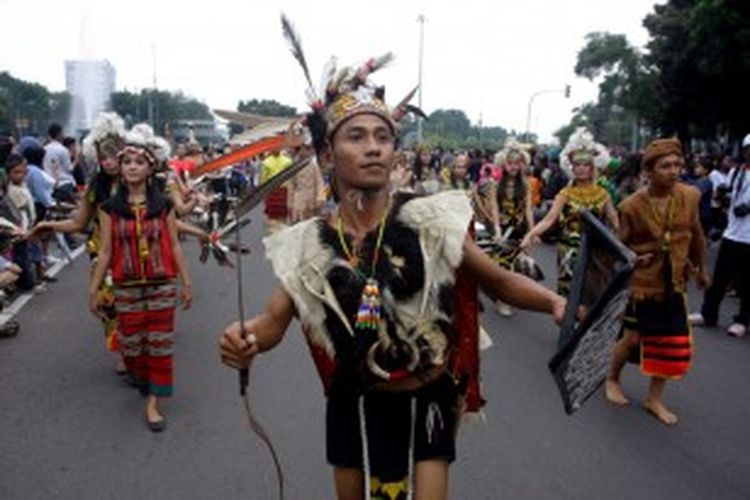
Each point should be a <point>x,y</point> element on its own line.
<point>645,230</point>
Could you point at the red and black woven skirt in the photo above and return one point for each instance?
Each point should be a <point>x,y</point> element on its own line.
<point>666,341</point>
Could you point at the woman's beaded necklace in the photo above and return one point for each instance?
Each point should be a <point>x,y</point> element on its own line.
<point>369,312</point>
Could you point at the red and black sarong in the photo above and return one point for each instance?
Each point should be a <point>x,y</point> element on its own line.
<point>145,318</point>
<point>666,342</point>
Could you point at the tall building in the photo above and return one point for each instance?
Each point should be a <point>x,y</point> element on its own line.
<point>90,83</point>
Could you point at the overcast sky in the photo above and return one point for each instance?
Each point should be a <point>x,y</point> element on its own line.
<point>482,56</point>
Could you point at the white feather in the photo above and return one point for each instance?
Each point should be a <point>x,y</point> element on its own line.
<point>106,124</point>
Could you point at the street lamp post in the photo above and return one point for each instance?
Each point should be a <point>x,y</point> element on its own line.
<point>421,20</point>
<point>151,96</point>
<point>481,130</point>
<point>565,90</point>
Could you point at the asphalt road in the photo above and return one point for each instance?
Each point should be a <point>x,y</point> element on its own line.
<point>70,429</point>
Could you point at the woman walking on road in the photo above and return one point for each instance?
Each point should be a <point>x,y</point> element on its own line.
<point>581,155</point>
<point>103,144</point>
<point>139,245</point>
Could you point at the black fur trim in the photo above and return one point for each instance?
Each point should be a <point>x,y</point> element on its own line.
<point>400,271</point>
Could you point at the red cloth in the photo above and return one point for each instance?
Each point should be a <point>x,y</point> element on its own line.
<point>127,264</point>
<point>145,318</point>
<point>465,362</point>
<point>325,365</point>
<point>183,167</point>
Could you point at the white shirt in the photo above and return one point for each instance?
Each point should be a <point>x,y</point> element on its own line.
<point>718,178</point>
<point>57,163</point>
<point>21,198</point>
<point>738,228</point>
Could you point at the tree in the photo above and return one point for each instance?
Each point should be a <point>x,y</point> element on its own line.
<point>628,91</point>
<point>27,107</point>
<point>702,51</point>
<point>162,106</point>
<point>452,129</point>
<point>581,118</point>
<point>692,81</point>
<point>266,107</point>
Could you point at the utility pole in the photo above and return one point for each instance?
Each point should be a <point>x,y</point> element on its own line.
<point>481,130</point>
<point>421,20</point>
<point>151,104</point>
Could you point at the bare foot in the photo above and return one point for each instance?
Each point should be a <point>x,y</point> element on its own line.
<point>152,412</point>
<point>657,409</point>
<point>154,420</point>
<point>614,393</point>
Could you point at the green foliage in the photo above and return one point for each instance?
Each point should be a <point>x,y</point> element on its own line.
<point>30,107</point>
<point>627,89</point>
<point>605,53</point>
<point>693,81</point>
<point>266,107</point>
<point>161,105</point>
<point>452,129</point>
<point>702,51</point>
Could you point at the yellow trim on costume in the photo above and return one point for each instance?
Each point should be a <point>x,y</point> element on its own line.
<point>388,491</point>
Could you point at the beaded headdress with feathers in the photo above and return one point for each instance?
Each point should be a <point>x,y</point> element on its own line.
<point>106,138</point>
<point>512,151</point>
<point>344,92</point>
<point>582,147</point>
<point>142,137</point>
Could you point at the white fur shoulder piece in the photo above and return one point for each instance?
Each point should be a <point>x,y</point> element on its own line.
<point>447,214</point>
<point>300,263</point>
<point>284,248</point>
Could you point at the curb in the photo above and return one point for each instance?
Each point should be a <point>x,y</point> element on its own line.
<point>14,307</point>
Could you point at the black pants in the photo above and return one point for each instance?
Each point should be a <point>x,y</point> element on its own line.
<point>732,266</point>
<point>22,259</point>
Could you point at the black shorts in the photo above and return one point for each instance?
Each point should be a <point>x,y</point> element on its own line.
<point>388,418</point>
<point>657,317</point>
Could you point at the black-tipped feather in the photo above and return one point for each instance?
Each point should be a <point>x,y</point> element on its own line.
<point>296,45</point>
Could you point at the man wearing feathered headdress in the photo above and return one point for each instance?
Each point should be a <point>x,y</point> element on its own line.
<point>387,286</point>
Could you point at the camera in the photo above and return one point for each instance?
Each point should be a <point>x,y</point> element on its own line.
<point>741,210</point>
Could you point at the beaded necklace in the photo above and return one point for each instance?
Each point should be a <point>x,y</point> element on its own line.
<point>368,314</point>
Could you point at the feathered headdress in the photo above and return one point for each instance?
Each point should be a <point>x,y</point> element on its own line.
<point>343,93</point>
<point>142,137</point>
<point>512,151</point>
<point>581,147</point>
<point>106,137</point>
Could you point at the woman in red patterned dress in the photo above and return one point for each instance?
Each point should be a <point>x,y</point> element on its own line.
<point>139,245</point>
